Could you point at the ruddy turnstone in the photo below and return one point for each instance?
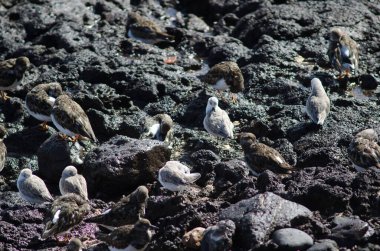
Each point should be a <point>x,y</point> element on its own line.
<point>318,103</point>
<point>72,182</point>
<point>71,120</point>
<point>260,157</point>
<point>146,30</point>
<point>74,245</point>
<point>40,100</point>
<point>364,151</point>
<point>127,211</point>
<point>343,52</point>
<point>67,211</point>
<point>225,75</point>
<point>216,121</point>
<point>32,188</point>
<point>3,148</point>
<point>176,177</point>
<point>128,237</point>
<point>158,127</point>
<point>11,74</point>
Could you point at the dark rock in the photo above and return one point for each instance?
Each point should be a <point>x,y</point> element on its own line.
<point>218,237</point>
<point>229,173</point>
<point>368,82</point>
<point>121,159</point>
<point>348,231</point>
<point>55,154</point>
<point>292,239</point>
<point>267,181</point>
<point>324,245</point>
<point>257,217</point>
<point>29,138</point>
<point>321,188</point>
<point>204,162</point>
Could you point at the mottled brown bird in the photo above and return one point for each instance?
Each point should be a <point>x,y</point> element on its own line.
<point>40,100</point>
<point>225,75</point>
<point>129,237</point>
<point>261,157</point>
<point>146,30</point>
<point>364,151</point>
<point>127,211</point>
<point>343,53</point>
<point>67,211</point>
<point>11,74</point>
<point>70,119</point>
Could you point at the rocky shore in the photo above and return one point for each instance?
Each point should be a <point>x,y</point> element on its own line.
<point>279,45</point>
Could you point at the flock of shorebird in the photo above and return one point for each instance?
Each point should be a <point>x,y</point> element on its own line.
<point>127,229</point>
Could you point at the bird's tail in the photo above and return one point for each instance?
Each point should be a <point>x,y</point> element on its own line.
<point>192,177</point>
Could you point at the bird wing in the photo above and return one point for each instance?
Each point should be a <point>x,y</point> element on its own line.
<point>72,117</point>
<point>317,107</point>
<point>215,73</point>
<point>3,154</point>
<point>170,176</point>
<point>77,185</point>
<point>220,123</point>
<point>364,152</point>
<point>38,101</point>
<point>35,187</point>
<point>270,157</point>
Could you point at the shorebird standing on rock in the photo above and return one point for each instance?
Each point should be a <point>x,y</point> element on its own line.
<point>40,100</point>
<point>128,210</point>
<point>72,182</point>
<point>32,188</point>
<point>67,211</point>
<point>70,119</point>
<point>364,151</point>
<point>134,237</point>
<point>176,177</point>
<point>225,75</point>
<point>261,157</point>
<point>146,30</point>
<point>343,53</point>
<point>318,103</point>
<point>216,121</point>
<point>11,74</point>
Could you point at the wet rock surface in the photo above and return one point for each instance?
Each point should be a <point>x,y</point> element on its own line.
<point>279,46</point>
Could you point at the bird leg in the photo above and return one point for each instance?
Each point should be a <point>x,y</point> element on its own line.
<point>62,136</point>
<point>75,139</point>
<point>44,126</point>
<point>3,96</point>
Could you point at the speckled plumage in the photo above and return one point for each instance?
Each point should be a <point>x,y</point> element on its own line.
<point>230,72</point>
<point>32,188</point>
<point>67,211</point>
<point>216,121</point>
<point>364,151</point>
<point>134,237</point>
<point>40,100</point>
<point>176,177</point>
<point>261,157</point>
<point>343,52</point>
<point>158,127</point>
<point>127,211</point>
<point>146,30</point>
<point>69,117</point>
<point>318,103</point>
<point>72,182</point>
<point>3,148</point>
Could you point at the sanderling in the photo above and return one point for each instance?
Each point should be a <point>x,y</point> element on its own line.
<point>216,121</point>
<point>318,103</point>
<point>72,182</point>
<point>32,188</point>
